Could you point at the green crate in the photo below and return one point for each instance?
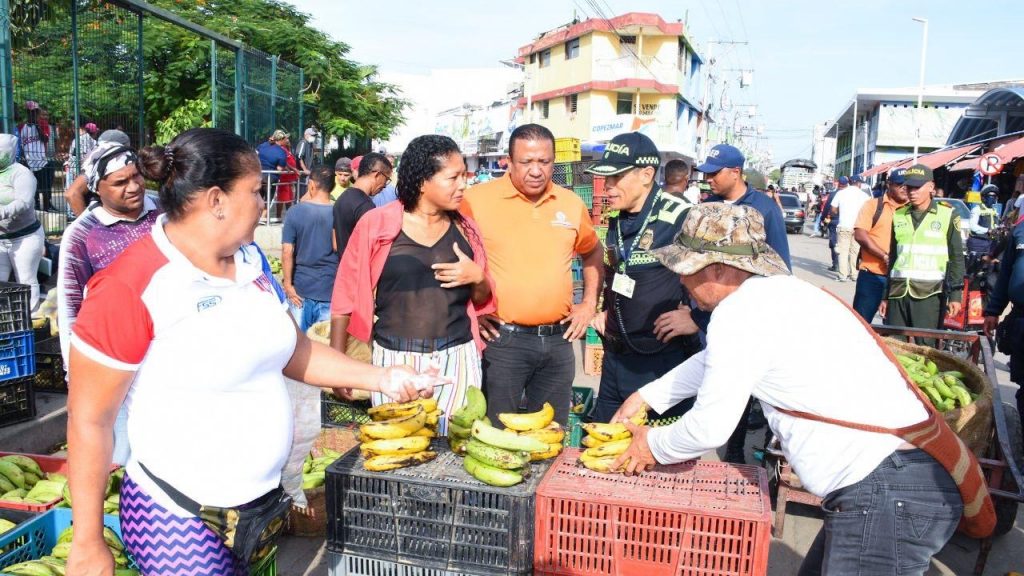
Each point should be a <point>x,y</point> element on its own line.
<point>337,413</point>
<point>593,337</point>
<point>586,193</point>
<point>573,432</point>
<point>267,566</point>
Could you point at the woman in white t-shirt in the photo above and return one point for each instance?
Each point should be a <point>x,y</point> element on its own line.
<point>189,328</point>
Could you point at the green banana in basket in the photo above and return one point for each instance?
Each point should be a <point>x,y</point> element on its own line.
<point>31,568</point>
<point>13,473</point>
<point>25,463</point>
<point>6,525</point>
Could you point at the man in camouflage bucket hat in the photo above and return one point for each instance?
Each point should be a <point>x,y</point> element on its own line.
<point>755,348</point>
<point>728,234</point>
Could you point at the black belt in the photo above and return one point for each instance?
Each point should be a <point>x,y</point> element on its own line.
<point>541,330</point>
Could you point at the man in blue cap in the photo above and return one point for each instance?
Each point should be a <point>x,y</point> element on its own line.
<point>873,231</point>
<point>724,170</point>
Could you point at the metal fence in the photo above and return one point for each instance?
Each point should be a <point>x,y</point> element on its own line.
<point>65,64</point>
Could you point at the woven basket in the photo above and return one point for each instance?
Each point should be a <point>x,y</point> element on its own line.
<point>312,520</point>
<point>972,423</point>
<point>356,350</point>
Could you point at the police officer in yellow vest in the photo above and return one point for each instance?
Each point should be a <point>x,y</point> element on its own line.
<point>926,265</point>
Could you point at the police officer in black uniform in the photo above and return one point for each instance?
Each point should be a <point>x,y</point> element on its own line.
<point>645,323</point>
<point>1009,289</point>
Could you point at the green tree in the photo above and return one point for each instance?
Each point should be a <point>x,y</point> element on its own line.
<point>345,97</point>
<point>775,175</point>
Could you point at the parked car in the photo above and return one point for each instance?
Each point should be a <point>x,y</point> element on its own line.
<point>794,213</point>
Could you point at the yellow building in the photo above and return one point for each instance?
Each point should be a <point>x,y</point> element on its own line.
<point>598,78</point>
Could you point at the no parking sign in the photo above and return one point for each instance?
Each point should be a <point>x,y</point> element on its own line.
<point>990,164</point>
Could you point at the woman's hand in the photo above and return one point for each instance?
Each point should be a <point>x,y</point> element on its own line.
<point>460,273</point>
<point>89,558</point>
<point>402,384</point>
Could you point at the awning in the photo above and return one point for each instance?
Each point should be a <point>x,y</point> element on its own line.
<point>965,164</point>
<point>934,160</point>
<point>1011,151</point>
<point>1008,151</point>
<point>880,169</point>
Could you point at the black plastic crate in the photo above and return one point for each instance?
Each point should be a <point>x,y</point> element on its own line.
<point>50,374</point>
<point>337,413</point>
<point>14,308</point>
<point>17,401</point>
<point>17,355</point>
<point>434,516</point>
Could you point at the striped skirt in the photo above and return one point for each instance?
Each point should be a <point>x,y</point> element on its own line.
<point>460,363</point>
<point>162,543</point>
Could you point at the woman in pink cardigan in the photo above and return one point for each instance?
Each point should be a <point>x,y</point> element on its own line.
<point>414,276</point>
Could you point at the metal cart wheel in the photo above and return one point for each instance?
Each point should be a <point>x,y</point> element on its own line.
<point>1006,509</point>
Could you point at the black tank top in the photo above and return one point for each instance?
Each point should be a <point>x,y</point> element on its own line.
<point>410,303</point>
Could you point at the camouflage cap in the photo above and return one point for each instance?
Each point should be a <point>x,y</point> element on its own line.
<point>716,232</point>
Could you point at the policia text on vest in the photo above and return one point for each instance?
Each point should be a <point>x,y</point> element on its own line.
<point>926,266</point>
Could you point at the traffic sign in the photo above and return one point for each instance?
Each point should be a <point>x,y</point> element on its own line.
<point>990,164</point>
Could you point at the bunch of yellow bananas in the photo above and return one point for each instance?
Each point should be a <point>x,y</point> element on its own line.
<point>22,481</point>
<point>539,425</point>
<point>399,435</point>
<point>314,470</point>
<point>605,442</point>
<point>54,563</point>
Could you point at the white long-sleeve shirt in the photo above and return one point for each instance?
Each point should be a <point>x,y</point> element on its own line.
<point>757,345</point>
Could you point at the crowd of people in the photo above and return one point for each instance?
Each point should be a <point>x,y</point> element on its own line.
<point>454,287</point>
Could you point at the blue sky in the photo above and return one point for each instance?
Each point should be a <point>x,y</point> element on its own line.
<point>809,56</point>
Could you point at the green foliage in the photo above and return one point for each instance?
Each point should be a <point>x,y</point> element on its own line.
<point>344,96</point>
<point>192,114</point>
<point>754,178</point>
<point>775,175</point>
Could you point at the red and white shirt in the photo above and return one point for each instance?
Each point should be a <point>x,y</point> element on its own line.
<point>208,410</point>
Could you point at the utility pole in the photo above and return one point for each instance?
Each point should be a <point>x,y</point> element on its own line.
<point>920,86</point>
<point>709,77</point>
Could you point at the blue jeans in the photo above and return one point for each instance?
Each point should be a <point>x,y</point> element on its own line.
<point>870,291</point>
<point>890,523</point>
<point>312,311</point>
<point>542,366</point>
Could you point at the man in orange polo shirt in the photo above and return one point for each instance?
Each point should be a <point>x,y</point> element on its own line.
<point>873,231</point>
<point>531,229</point>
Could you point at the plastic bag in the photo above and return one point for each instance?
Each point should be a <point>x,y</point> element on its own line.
<point>306,417</point>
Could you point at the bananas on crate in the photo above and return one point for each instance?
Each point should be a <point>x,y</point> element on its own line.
<point>460,424</point>
<point>502,457</point>
<point>112,500</point>
<point>946,390</point>
<point>6,525</point>
<point>605,442</point>
<point>23,482</point>
<point>314,470</point>
<point>53,563</point>
<point>399,434</point>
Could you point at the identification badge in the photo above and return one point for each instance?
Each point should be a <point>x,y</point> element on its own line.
<point>623,285</point>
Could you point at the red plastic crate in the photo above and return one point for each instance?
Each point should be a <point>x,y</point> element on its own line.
<point>598,187</point>
<point>691,519</point>
<point>46,464</point>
